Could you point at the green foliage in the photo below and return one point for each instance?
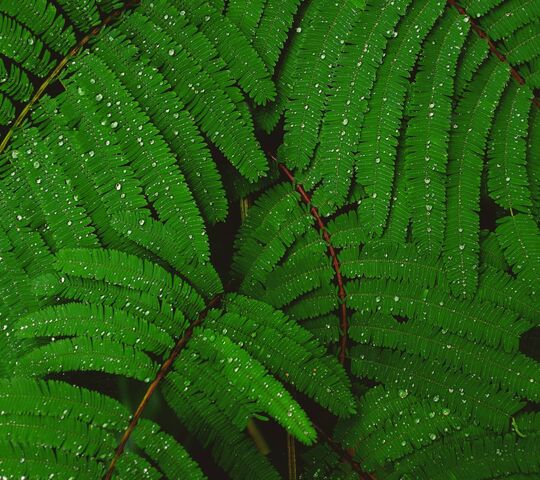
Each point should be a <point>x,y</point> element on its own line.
<point>399,232</point>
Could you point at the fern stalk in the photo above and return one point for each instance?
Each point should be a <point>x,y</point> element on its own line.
<point>492,45</point>
<point>344,323</point>
<point>291,454</point>
<point>162,372</point>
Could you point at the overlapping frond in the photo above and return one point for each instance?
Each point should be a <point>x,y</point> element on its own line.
<point>406,239</point>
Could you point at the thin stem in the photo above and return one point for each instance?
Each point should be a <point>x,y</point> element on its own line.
<point>165,367</point>
<point>492,45</point>
<point>291,455</point>
<point>60,66</point>
<point>344,322</point>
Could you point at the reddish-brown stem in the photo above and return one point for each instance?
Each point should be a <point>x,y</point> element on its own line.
<point>344,322</point>
<point>492,45</point>
<point>164,369</point>
<point>306,198</point>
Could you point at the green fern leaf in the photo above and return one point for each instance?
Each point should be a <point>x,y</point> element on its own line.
<point>464,169</point>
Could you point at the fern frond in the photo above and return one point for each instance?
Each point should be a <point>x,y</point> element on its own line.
<point>350,91</point>
<point>512,372</point>
<point>476,50</point>
<point>523,45</point>
<point>265,24</point>
<point>232,450</point>
<point>377,148</point>
<point>134,302</point>
<point>250,377</point>
<point>533,160</point>
<point>519,238</point>
<point>429,421</point>
<point>508,17</point>
<point>508,183</point>
<point>119,268</point>
<point>322,47</point>
<point>320,301</point>
<point>502,456</point>
<point>468,396</point>
<point>298,276</point>
<point>394,261</point>
<point>268,117</point>
<point>172,458</point>
<point>88,354</point>
<point>472,319</point>
<point>490,251</point>
<point>466,149</point>
<point>206,99</point>
<point>79,320</point>
<point>69,224</point>
<point>492,282</point>
<point>271,32</point>
<point>42,18</point>
<point>324,328</point>
<point>83,14</point>
<point>262,240</point>
<point>167,112</point>
<point>399,216</point>
<point>347,229</point>
<point>21,45</point>
<point>234,49</point>
<point>160,239</point>
<point>305,358</point>
<point>14,82</point>
<point>167,190</point>
<point>427,134</point>
<point>69,411</point>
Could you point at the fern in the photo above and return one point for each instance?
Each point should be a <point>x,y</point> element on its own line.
<point>378,299</point>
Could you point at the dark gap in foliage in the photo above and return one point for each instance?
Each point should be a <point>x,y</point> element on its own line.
<point>530,343</point>
<point>400,319</point>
